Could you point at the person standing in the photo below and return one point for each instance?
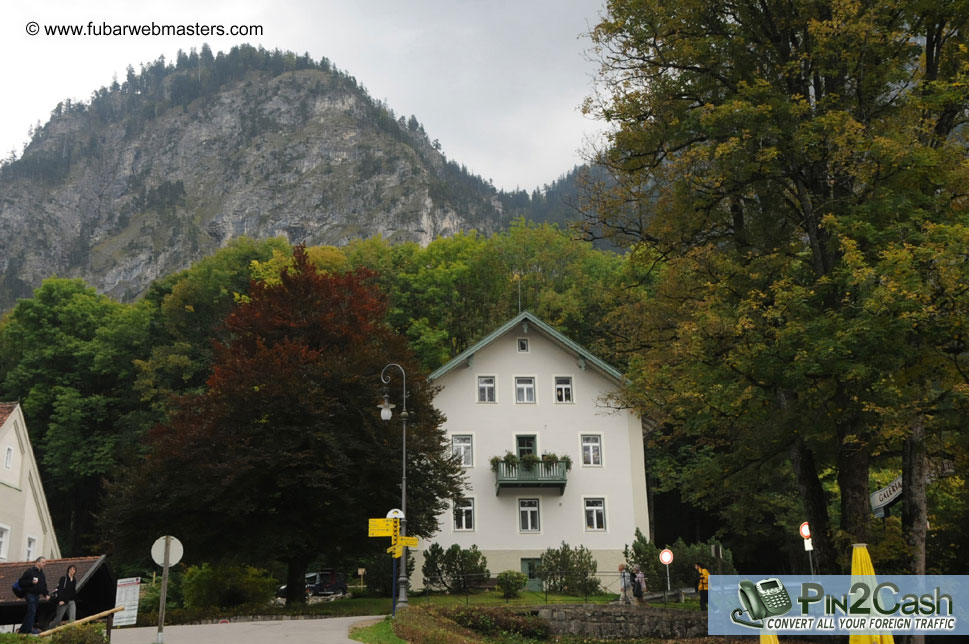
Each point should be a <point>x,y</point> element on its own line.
<point>625,584</point>
<point>65,594</point>
<point>639,589</point>
<point>34,584</point>
<point>702,584</point>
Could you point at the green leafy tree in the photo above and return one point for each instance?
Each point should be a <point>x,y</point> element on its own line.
<point>188,311</point>
<point>450,294</point>
<point>284,445</point>
<point>786,174</point>
<point>382,574</point>
<point>68,354</point>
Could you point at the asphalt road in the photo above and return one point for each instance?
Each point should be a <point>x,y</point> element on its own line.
<point>303,631</point>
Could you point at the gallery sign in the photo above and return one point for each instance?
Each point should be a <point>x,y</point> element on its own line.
<point>887,494</point>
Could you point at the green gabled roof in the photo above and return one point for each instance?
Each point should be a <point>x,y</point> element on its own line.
<point>563,341</point>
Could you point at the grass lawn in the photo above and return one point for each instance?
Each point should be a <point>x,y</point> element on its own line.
<point>351,607</point>
<point>380,633</point>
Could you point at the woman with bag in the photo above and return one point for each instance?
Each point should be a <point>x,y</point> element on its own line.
<point>64,595</point>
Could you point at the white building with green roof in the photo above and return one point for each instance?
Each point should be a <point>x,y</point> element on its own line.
<point>526,389</point>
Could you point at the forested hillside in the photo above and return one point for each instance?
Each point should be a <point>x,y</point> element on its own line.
<point>170,163</point>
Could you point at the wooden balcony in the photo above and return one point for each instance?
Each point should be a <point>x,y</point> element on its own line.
<point>550,475</point>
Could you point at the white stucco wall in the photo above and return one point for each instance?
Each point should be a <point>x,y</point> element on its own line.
<point>23,506</point>
<point>620,480</point>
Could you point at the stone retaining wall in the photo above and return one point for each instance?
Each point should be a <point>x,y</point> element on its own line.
<point>614,621</point>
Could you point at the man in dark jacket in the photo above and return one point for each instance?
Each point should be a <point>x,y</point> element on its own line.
<point>35,586</point>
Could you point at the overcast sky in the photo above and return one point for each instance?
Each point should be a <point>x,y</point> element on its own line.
<point>497,82</point>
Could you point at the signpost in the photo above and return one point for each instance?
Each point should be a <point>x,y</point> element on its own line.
<point>666,558</point>
<point>805,531</point>
<point>166,551</point>
<point>390,527</point>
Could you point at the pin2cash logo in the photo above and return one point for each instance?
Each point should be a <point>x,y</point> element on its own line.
<point>766,598</point>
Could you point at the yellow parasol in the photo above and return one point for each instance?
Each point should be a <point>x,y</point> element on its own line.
<point>768,638</point>
<point>861,567</point>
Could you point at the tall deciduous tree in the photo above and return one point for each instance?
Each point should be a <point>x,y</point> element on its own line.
<point>283,455</point>
<point>450,294</point>
<point>68,354</point>
<point>188,309</point>
<point>790,168</point>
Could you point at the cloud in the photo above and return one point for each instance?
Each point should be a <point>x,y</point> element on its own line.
<point>498,83</point>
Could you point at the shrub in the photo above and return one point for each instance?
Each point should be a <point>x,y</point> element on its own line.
<point>226,585</point>
<point>682,572</point>
<point>569,570</point>
<point>85,634</point>
<point>151,592</point>
<point>454,569</point>
<point>495,621</point>
<point>511,582</point>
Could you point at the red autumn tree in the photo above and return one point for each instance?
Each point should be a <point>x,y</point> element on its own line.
<point>284,456</point>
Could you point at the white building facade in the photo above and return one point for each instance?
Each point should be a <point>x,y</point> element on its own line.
<point>527,389</point>
<point>26,531</point>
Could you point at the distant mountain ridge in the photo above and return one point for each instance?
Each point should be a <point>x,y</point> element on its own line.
<point>169,165</point>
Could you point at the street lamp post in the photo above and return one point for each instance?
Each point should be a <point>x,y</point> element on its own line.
<point>386,413</point>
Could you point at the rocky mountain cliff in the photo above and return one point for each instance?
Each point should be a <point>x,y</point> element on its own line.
<point>164,168</point>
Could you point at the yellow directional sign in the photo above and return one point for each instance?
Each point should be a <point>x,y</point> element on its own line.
<point>391,528</point>
<point>382,528</point>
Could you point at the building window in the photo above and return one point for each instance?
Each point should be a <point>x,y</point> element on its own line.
<point>522,345</point>
<point>528,515</point>
<point>592,449</point>
<point>525,390</point>
<point>525,445</point>
<point>461,445</point>
<point>4,541</point>
<point>31,551</point>
<point>8,458</point>
<point>486,389</point>
<point>563,389</point>
<point>595,514</point>
<point>464,514</point>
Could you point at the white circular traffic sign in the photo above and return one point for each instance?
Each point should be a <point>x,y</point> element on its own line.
<point>805,530</point>
<point>666,556</point>
<point>175,551</point>
<point>395,514</point>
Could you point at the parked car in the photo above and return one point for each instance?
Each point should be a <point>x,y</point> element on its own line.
<point>323,582</point>
<point>327,582</point>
